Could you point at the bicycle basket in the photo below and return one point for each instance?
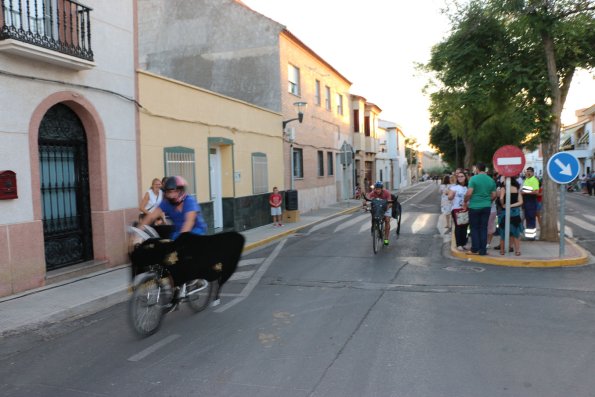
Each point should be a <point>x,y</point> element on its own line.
<point>378,208</point>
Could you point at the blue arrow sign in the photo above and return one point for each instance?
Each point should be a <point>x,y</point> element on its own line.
<point>563,167</point>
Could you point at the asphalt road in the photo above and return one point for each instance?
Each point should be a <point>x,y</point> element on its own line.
<point>318,314</point>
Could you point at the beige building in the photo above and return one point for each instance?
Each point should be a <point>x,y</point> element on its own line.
<point>229,151</point>
<point>313,147</point>
<point>364,126</point>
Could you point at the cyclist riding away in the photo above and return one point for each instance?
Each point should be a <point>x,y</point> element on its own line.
<point>380,193</point>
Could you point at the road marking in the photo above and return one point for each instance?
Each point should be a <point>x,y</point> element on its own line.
<point>328,223</point>
<point>352,222</point>
<point>241,275</point>
<point>420,222</point>
<point>153,348</point>
<point>567,230</point>
<point>580,223</point>
<point>591,217</point>
<point>254,280</point>
<point>248,262</point>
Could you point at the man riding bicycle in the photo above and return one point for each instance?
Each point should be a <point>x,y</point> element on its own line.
<point>380,192</point>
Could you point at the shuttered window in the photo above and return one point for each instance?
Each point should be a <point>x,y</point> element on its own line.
<point>260,173</point>
<point>180,161</point>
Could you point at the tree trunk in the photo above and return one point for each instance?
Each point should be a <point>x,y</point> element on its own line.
<point>469,153</point>
<point>549,212</point>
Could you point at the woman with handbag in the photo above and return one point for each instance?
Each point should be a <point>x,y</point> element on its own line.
<point>516,223</point>
<point>457,195</point>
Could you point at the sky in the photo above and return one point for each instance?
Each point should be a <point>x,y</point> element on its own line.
<point>376,44</point>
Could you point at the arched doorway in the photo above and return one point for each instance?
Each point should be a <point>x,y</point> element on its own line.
<point>64,182</point>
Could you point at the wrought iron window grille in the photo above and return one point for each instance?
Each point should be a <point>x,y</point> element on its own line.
<point>58,25</point>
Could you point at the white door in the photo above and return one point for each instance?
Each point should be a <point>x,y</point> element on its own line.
<point>216,195</point>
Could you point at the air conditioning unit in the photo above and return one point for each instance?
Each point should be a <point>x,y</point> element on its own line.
<point>290,133</point>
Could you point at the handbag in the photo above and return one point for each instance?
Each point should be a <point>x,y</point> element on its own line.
<point>461,217</point>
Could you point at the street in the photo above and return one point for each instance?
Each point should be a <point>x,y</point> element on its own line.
<point>318,314</point>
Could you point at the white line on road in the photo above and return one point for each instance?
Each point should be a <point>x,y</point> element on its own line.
<point>153,348</point>
<point>420,222</point>
<point>580,223</point>
<point>248,262</point>
<point>241,275</point>
<point>327,223</point>
<point>567,230</point>
<point>254,280</point>
<point>352,222</point>
<point>591,217</point>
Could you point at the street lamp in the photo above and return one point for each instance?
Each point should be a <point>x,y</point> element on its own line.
<point>300,118</point>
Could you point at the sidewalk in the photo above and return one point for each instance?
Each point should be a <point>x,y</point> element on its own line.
<point>533,253</point>
<point>98,291</point>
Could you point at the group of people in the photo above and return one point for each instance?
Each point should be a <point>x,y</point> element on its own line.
<point>477,203</point>
<point>587,183</point>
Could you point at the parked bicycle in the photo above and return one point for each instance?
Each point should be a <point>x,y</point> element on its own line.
<point>167,273</point>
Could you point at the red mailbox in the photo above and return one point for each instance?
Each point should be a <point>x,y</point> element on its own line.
<point>8,185</point>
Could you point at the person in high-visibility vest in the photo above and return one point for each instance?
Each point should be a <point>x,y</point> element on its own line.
<point>530,191</point>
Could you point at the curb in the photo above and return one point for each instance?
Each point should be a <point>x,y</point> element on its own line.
<point>256,244</point>
<point>581,260</point>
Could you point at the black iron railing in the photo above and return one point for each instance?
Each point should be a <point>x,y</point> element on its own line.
<point>58,25</point>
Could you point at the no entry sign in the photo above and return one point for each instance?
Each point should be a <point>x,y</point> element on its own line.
<point>509,160</point>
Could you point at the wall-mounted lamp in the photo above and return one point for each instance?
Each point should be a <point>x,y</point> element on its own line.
<point>299,107</point>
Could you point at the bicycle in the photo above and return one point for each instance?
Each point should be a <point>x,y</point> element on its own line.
<point>166,274</point>
<point>377,208</point>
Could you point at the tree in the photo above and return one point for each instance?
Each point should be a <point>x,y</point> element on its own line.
<point>518,53</point>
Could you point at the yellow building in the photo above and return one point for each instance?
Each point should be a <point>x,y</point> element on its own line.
<point>230,151</point>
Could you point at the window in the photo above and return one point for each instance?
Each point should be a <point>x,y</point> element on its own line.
<point>367,125</point>
<point>355,120</point>
<point>339,104</point>
<point>320,163</point>
<point>298,163</point>
<point>180,161</point>
<point>293,75</point>
<point>260,173</point>
<point>327,99</point>
<point>317,93</point>
<point>329,161</point>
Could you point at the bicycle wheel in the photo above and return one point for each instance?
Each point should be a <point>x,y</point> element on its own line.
<point>199,294</point>
<point>145,306</point>
<point>380,236</point>
<point>377,237</point>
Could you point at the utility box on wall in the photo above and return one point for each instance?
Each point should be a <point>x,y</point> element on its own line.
<point>8,185</point>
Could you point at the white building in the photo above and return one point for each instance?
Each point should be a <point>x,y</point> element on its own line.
<point>391,155</point>
<point>68,132</point>
<point>577,139</point>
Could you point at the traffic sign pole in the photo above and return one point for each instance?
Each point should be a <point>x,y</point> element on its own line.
<point>562,221</point>
<point>563,168</point>
<point>507,219</point>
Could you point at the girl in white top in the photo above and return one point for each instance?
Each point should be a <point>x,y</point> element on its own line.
<point>457,196</point>
<point>152,198</point>
<point>445,203</point>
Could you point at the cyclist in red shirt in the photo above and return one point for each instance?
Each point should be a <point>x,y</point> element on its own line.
<point>381,193</point>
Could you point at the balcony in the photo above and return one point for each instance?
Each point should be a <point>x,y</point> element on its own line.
<point>371,145</point>
<point>358,141</point>
<point>54,31</point>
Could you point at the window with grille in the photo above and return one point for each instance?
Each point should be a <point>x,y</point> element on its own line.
<point>260,173</point>
<point>298,163</point>
<point>327,99</point>
<point>293,77</point>
<point>317,93</point>
<point>330,165</point>
<point>180,161</point>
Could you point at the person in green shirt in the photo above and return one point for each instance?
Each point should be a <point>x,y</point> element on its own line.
<point>478,199</point>
<point>530,190</point>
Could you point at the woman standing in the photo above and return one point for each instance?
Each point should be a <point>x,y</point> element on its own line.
<point>516,223</point>
<point>152,198</point>
<point>457,195</point>
<point>445,203</point>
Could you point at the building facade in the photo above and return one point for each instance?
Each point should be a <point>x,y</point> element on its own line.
<point>230,152</point>
<point>227,48</point>
<point>68,135</point>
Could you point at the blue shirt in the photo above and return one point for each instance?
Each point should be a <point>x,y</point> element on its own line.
<point>178,217</point>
